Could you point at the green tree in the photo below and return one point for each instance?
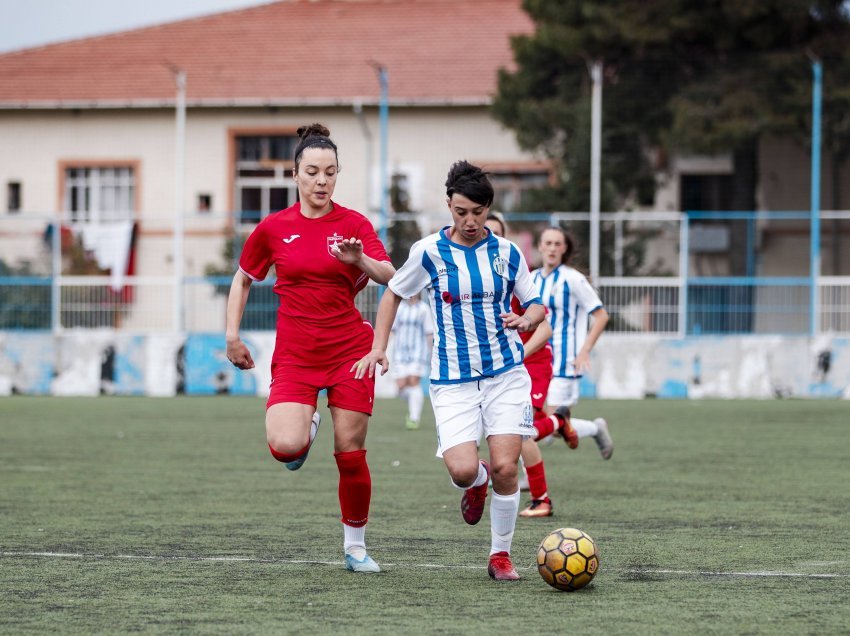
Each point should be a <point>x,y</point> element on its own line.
<point>403,230</point>
<point>706,77</point>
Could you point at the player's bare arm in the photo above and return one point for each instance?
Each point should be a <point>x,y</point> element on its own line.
<point>539,338</point>
<point>387,310</point>
<point>350,251</point>
<point>600,319</point>
<point>527,322</point>
<point>237,352</point>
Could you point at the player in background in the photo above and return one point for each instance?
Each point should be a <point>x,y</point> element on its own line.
<point>571,300</point>
<point>478,383</point>
<point>412,334</point>
<point>538,362</point>
<point>323,255</point>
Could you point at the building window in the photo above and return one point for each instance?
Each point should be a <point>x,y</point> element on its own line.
<point>712,192</point>
<point>99,194</point>
<point>512,183</point>
<point>13,196</point>
<point>264,182</point>
<point>204,202</point>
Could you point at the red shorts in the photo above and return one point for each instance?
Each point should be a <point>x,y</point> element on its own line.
<point>299,384</point>
<point>541,376</point>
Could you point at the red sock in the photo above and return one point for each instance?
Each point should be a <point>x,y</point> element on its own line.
<point>283,457</point>
<point>536,480</point>
<point>355,487</point>
<point>544,424</point>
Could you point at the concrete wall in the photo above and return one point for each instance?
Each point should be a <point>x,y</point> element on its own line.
<point>106,362</point>
<point>423,142</point>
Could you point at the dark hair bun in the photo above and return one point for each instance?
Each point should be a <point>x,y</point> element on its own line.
<point>313,130</point>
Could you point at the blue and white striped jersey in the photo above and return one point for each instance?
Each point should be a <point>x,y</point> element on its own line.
<point>468,287</point>
<point>411,329</point>
<point>570,299</point>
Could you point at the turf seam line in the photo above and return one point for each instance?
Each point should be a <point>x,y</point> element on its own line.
<point>240,559</point>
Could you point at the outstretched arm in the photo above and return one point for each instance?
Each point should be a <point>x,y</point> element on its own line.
<point>237,352</point>
<point>350,251</point>
<point>600,319</point>
<point>539,338</point>
<point>383,325</point>
<point>527,322</point>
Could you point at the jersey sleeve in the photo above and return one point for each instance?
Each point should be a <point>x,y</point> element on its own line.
<point>413,276</point>
<point>425,317</point>
<point>524,288</point>
<point>372,246</point>
<point>587,296</point>
<point>256,257</point>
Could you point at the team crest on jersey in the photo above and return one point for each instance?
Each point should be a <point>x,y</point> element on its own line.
<point>500,266</point>
<point>332,241</point>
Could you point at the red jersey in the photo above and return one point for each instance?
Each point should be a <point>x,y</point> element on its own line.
<point>542,356</point>
<point>317,322</point>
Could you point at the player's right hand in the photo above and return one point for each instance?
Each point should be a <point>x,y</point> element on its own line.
<point>367,364</point>
<point>239,355</point>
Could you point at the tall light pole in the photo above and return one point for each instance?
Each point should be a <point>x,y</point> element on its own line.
<point>814,252</point>
<point>595,165</point>
<point>179,176</point>
<point>383,80</point>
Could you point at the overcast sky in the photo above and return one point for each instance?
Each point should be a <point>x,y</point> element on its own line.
<point>26,23</point>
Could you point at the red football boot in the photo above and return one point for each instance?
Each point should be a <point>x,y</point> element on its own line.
<point>472,502</point>
<point>501,568</point>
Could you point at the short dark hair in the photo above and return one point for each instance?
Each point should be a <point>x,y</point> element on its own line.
<point>471,182</point>
<point>313,135</point>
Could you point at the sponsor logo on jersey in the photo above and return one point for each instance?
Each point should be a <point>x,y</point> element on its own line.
<point>537,396</point>
<point>332,241</point>
<point>466,296</point>
<point>291,238</point>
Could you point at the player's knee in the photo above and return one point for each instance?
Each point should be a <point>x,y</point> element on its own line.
<point>284,446</point>
<point>464,476</point>
<point>503,474</point>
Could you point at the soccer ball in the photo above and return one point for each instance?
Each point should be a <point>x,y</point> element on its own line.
<point>567,559</point>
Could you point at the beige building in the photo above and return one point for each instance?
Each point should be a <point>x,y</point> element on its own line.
<point>88,129</point>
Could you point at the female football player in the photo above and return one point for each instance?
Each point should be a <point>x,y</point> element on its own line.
<point>570,300</point>
<point>478,382</point>
<point>323,255</point>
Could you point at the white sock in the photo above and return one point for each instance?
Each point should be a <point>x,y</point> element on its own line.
<point>584,428</point>
<point>503,514</point>
<point>415,401</point>
<point>482,478</point>
<point>402,393</point>
<point>354,542</point>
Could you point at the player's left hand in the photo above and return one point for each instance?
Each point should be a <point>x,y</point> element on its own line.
<point>511,321</point>
<point>348,250</point>
<point>366,365</point>
<point>582,362</point>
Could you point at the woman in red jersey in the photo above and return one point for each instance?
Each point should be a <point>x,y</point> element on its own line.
<point>323,255</point>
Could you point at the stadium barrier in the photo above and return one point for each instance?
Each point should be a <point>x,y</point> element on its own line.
<point>673,331</point>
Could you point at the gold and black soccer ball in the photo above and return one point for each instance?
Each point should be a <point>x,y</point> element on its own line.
<point>568,559</point>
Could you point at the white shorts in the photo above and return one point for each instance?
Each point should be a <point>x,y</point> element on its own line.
<point>492,406</point>
<point>563,392</point>
<point>416,369</point>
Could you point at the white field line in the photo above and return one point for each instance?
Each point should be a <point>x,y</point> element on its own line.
<point>433,566</point>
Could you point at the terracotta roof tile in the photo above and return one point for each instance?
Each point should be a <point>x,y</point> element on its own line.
<point>288,52</point>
